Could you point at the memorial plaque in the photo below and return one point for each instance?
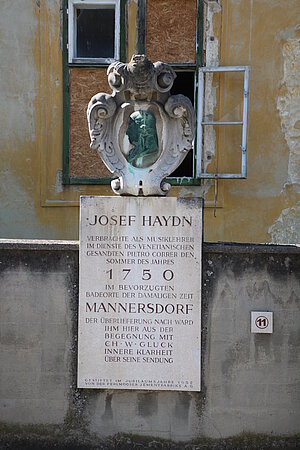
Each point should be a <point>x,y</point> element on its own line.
<point>140,293</point>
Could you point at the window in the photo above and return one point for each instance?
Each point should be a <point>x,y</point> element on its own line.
<point>93,31</point>
<point>96,32</point>
<point>93,37</point>
<point>236,117</point>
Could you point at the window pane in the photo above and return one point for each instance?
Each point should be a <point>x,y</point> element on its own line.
<point>95,33</point>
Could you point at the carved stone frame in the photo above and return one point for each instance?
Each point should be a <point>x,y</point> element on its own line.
<point>141,86</point>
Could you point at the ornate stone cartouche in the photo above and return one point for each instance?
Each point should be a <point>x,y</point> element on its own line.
<point>141,132</point>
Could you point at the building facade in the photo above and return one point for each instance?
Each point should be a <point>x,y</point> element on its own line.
<point>49,72</point>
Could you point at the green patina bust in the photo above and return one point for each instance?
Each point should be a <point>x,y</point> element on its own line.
<point>142,134</point>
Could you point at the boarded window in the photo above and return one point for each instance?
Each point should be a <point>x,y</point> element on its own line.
<point>84,83</point>
<point>171,30</point>
<point>165,30</point>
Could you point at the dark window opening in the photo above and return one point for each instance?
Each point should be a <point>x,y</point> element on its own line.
<point>185,84</point>
<point>95,33</point>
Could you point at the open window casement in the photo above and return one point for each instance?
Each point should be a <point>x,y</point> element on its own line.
<point>93,31</point>
<point>209,160</point>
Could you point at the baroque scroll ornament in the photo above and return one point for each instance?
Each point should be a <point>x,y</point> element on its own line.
<point>141,132</point>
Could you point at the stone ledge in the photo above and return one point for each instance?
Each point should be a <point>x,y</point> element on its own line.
<point>208,247</point>
<point>235,247</point>
<point>37,244</point>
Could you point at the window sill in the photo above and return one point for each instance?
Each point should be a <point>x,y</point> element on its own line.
<point>91,61</point>
<point>182,181</point>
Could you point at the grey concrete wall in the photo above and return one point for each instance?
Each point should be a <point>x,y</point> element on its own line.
<point>250,394</point>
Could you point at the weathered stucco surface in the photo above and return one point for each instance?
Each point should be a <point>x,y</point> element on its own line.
<point>287,227</point>
<point>18,94</point>
<point>132,12</point>
<point>35,337</point>
<point>246,370</point>
<point>263,208</point>
<point>250,383</point>
<point>28,132</point>
<point>264,36</point>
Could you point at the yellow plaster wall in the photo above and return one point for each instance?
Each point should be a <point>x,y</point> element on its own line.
<point>131,11</point>
<point>33,201</point>
<point>263,207</point>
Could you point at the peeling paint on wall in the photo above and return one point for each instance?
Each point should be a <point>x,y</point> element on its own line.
<point>58,181</point>
<point>52,7</point>
<point>195,191</point>
<point>212,60</point>
<point>18,81</point>
<point>132,6</point>
<point>20,220</point>
<point>211,45</point>
<point>286,228</point>
<point>61,25</point>
<point>288,105</point>
<point>211,40</point>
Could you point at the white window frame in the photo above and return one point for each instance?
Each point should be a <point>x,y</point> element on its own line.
<point>200,173</point>
<point>72,28</point>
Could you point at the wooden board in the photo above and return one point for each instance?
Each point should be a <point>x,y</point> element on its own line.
<point>171,30</point>
<point>84,83</point>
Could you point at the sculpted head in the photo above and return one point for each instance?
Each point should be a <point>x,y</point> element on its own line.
<point>142,135</point>
<point>140,64</point>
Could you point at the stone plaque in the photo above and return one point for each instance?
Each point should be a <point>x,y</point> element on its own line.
<point>140,293</point>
